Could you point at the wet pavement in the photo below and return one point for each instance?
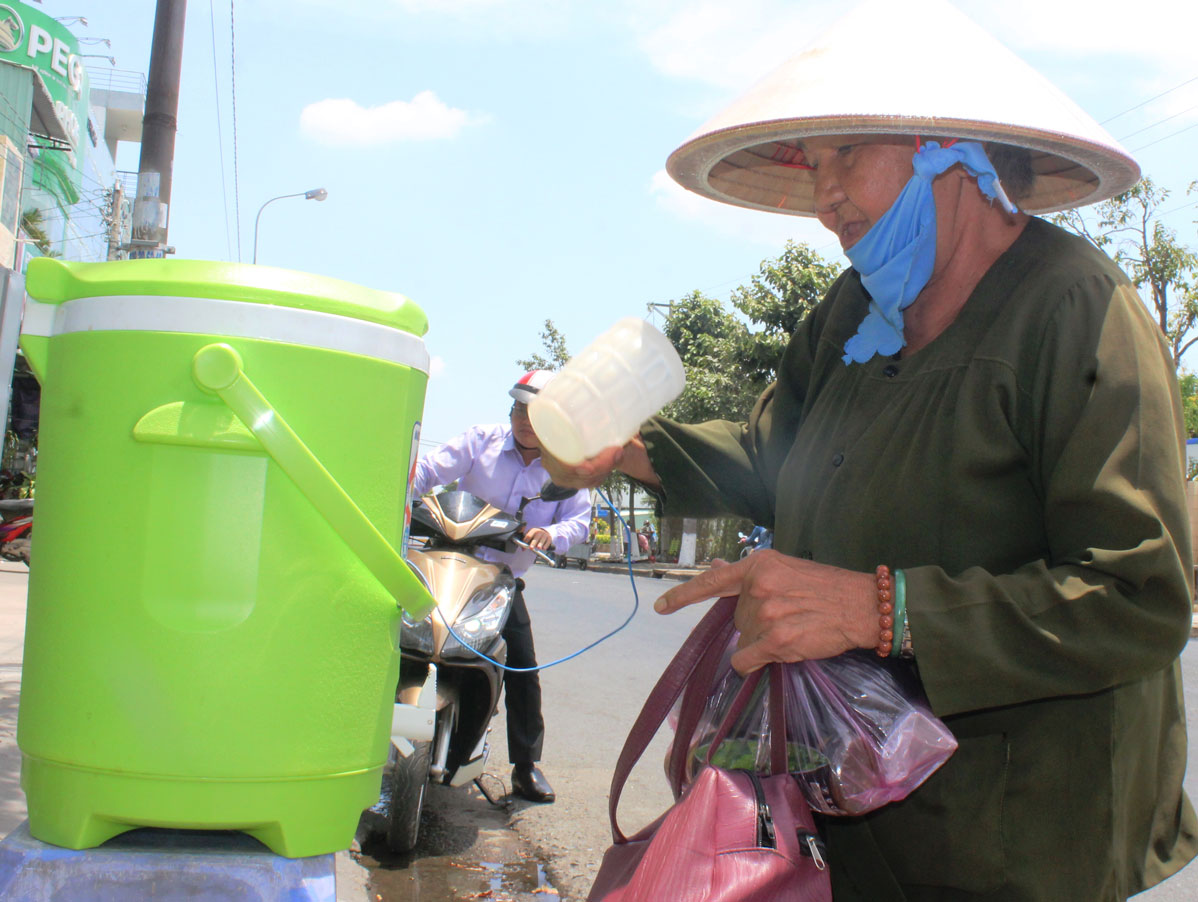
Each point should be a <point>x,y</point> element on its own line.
<point>467,850</point>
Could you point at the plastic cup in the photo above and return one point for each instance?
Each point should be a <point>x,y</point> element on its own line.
<point>601,397</point>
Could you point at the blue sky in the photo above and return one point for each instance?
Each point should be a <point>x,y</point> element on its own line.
<point>502,161</point>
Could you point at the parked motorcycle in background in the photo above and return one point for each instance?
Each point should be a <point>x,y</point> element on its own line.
<point>18,466</point>
<point>16,529</point>
<point>447,694</point>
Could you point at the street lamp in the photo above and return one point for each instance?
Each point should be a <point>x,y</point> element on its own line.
<point>313,194</point>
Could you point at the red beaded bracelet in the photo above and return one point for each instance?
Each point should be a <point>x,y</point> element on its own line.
<point>885,611</point>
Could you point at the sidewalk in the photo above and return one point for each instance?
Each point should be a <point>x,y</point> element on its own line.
<point>14,580</point>
<point>14,584</point>
<point>646,569</point>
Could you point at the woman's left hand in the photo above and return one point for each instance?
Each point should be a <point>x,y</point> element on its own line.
<point>790,609</point>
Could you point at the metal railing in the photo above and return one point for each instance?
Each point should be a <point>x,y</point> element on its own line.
<point>125,80</point>
<point>128,182</point>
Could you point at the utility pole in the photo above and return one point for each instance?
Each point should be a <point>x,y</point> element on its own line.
<point>151,209</point>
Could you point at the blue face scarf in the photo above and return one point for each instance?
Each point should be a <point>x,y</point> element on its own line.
<point>895,257</point>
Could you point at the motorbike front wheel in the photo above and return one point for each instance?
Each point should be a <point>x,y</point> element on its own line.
<point>409,780</point>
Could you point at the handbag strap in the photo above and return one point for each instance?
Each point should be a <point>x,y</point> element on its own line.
<point>736,710</point>
<point>779,759</point>
<point>694,703</point>
<point>711,631</point>
<point>777,715</point>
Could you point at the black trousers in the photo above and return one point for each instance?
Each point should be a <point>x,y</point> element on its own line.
<point>522,691</point>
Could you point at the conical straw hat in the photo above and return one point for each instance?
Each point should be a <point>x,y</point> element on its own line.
<point>910,67</point>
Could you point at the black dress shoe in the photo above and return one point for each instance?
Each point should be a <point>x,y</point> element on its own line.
<point>529,783</point>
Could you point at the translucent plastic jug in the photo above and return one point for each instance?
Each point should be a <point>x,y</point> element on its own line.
<point>212,625</point>
<point>601,396</point>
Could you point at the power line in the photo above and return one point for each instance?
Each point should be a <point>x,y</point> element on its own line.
<point>220,141</point>
<point>1149,100</point>
<point>69,238</point>
<point>1159,122</point>
<point>1165,138</point>
<point>1193,203</point>
<point>21,125</point>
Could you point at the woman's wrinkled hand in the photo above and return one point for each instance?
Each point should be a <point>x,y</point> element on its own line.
<point>587,475</point>
<point>630,458</point>
<point>790,609</point>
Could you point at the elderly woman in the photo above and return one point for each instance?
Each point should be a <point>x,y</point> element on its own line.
<point>972,459</point>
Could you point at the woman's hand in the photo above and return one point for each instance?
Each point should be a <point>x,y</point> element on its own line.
<point>631,458</point>
<point>587,475</point>
<point>789,610</point>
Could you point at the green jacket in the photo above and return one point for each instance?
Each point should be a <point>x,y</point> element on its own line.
<point>1025,471</point>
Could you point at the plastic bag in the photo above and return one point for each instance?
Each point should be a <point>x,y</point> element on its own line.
<point>859,731</point>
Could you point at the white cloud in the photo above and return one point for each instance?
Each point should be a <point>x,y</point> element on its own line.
<point>436,365</point>
<point>341,122</point>
<point>755,226</point>
<point>493,19</point>
<point>731,46</point>
<point>722,44</point>
<point>1156,30</point>
<point>449,7</point>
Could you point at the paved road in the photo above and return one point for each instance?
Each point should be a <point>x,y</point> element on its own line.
<point>590,704</point>
<point>466,846</point>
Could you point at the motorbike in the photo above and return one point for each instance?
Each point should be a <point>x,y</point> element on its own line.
<point>759,538</point>
<point>16,529</point>
<point>447,695</point>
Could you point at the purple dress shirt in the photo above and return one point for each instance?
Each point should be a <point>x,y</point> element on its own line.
<point>486,462</point>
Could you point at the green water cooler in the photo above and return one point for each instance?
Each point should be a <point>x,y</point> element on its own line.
<point>211,633</point>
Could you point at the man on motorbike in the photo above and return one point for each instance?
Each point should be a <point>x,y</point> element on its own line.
<point>501,464</point>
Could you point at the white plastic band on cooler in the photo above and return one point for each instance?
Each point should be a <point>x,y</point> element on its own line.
<point>231,319</point>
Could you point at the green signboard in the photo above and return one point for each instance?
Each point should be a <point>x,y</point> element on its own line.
<point>29,37</point>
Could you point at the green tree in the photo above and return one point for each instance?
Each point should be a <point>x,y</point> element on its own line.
<point>1159,265</point>
<point>1188,383</point>
<point>554,345</point>
<point>713,345</point>
<point>730,362</point>
<point>34,226</point>
<point>731,357</point>
<point>777,299</point>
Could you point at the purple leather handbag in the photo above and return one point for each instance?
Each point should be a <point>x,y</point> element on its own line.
<point>732,836</point>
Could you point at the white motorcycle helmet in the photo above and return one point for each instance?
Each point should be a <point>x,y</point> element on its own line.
<point>528,385</point>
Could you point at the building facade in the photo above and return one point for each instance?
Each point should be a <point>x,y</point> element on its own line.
<point>61,121</point>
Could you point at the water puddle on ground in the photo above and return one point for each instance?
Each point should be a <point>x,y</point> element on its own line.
<point>466,851</point>
<point>435,879</point>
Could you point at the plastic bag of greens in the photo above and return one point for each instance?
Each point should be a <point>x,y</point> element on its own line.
<point>859,731</point>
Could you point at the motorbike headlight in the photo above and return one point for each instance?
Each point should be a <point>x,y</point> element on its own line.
<point>480,621</point>
<point>416,635</point>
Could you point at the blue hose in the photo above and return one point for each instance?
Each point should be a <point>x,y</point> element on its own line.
<point>636,603</point>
